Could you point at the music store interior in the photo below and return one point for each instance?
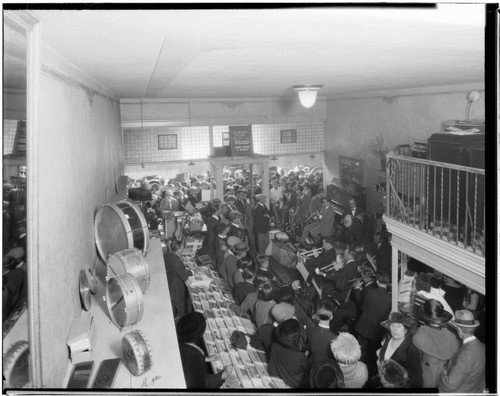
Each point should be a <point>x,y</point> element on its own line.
<point>286,198</point>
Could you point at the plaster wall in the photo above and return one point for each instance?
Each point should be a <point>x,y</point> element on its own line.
<point>353,124</point>
<point>79,161</point>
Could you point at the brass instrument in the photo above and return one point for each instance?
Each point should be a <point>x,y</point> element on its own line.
<point>335,266</point>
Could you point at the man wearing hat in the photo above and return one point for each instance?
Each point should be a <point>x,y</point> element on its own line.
<point>261,216</point>
<point>326,374</point>
<point>264,336</point>
<point>190,329</point>
<point>323,226</point>
<point>230,264</point>
<point>466,370</point>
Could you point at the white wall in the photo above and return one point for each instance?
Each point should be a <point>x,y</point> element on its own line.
<point>353,123</point>
<point>79,160</point>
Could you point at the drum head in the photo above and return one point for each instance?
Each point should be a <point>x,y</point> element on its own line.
<point>111,232</point>
<point>124,300</point>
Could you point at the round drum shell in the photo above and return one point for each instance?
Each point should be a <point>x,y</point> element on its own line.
<point>124,300</point>
<point>137,352</point>
<point>119,226</point>
<point>131,261</point>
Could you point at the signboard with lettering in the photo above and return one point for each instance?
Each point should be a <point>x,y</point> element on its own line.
<point>240,140</point>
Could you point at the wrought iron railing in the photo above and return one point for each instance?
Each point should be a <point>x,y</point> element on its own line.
<point>442,199</point>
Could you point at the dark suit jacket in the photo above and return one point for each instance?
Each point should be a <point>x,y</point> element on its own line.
<point>383,257</point>
<point>375,309</point>
<point>176,276</point>
<point>195,369</point>
<point>340,279</point>
<point>209,240</point>
<point>360,295</point>
<point>466,370</point>
<point>260,221</point>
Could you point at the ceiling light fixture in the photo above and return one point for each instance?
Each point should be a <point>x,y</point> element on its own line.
<point>307,94</point>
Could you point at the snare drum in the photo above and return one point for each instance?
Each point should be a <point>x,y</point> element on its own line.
<point>131,261</point>
<point>119,226</point>
<point>124,300</point>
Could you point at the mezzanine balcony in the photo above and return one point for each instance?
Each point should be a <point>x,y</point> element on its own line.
<point>436,213</point>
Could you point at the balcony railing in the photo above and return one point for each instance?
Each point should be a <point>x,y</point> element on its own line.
<point>442,199</point>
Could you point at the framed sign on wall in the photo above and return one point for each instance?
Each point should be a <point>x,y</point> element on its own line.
<point>240,140</point>
<point>167,142</point>
<point>351,170</point>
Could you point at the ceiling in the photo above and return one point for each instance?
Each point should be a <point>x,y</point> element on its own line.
<point>215,53</point>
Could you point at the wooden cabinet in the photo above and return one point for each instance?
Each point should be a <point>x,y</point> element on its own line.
<point>466,150</point>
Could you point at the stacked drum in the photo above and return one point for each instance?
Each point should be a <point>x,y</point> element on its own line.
<point>122,239</point>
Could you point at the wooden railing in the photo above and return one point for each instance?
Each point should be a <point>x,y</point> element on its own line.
<point>443,199</point>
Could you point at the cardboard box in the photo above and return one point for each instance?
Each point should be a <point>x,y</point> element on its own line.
<point>81,334</point>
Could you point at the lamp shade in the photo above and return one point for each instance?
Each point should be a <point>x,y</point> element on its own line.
<point>307,94</point>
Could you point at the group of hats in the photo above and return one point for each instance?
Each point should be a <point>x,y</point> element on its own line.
<point>433,312</point>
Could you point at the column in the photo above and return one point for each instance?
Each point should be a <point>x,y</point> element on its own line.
<point>395,279</point>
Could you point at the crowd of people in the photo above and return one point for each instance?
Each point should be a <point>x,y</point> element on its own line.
<point>343,334</point>
<point>14,243</point>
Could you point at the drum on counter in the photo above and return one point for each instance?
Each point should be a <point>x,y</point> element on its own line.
<point>131,261</point>
<point>124,300</point>
<point>137,352</point>
<point>119,226</point>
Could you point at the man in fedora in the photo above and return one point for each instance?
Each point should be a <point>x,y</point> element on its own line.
<point>230,264</point>
<point>466,371</point>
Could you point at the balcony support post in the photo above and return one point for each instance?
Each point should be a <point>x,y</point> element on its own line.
<point>395,279</point>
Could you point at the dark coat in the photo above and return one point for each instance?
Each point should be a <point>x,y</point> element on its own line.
<point>290,365</point>
<point>376,307</point>
<point>176,276</point>
<point>408,357</point>
<point>466,371</point>
<point>340,280</point>
<point>383,257</point>
<point>195,369</point>
<point>319,340</point>
<point>260,220</point>
<point>264,338</point>
<point>209,240</point>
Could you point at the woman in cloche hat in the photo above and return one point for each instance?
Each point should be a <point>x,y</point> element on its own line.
<point>397,345</point>
<point>435,341</point>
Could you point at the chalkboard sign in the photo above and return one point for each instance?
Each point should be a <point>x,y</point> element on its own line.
<point>240,140</point>
<point>20,140</point>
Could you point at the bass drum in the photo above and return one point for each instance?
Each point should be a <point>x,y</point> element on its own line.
<point>131,261</point>
<point>124,300</point>
<point>120,226</point>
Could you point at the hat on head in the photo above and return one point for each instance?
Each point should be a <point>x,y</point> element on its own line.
<point>230,198</point>
<point>433,312</point>
<point>191,327</point>
<point>232,241</point>
<point>398,317</point>
<point>258,197</point>
<point>326,374</point>
<point>289,333</point>
<point>240,247</point>
<point>345,348</point>
<point>282,311</point>
<point>169,192</point>
<point>465,318</point>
